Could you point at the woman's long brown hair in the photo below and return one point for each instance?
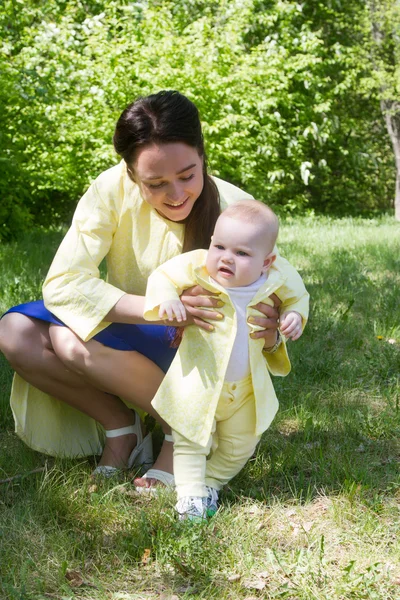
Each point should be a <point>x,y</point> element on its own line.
<point>163,118</point>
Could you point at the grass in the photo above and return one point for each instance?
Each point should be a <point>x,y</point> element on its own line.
<point>315,513</point>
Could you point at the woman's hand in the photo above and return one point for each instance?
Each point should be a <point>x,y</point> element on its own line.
<point>199,303</point>
<point>269,321</point>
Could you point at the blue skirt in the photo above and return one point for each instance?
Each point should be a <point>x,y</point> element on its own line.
<point>153,341</point>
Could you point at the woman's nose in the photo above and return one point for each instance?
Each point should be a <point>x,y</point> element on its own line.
<point>175,192</point>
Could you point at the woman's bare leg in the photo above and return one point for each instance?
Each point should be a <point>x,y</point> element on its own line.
<point>27,345</point>
<point>128,375</point>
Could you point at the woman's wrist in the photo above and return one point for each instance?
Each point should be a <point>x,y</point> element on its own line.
<point>270,349</point>
<point>128,309</point>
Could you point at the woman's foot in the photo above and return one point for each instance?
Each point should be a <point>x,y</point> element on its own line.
<point>117,450</point>
<point>163,463</point>
<point>125,447</point>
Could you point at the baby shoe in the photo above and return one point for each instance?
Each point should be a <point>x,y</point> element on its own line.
<point>211,501</point>
<point>192,508</point>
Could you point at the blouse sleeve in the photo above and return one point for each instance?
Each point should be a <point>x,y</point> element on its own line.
<point>292,293</point>
<point>169,280</point>
<point>73,290</point>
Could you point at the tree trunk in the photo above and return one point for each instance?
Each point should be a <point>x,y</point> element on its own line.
<point>391,113</point>
<point>383,12</point>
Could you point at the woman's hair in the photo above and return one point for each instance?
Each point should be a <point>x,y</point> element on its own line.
<point>164,118</point>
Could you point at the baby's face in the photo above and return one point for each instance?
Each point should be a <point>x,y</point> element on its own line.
<point>238,253</point>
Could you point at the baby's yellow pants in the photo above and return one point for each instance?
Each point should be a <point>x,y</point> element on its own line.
<point>231,444</point>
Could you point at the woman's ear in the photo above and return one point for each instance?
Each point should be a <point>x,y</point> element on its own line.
<point>268,260</point>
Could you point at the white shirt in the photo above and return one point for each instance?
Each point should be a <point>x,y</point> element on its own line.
<point>239,365</point>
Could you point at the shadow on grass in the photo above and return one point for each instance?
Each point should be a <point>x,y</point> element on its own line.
<point>339,420</point>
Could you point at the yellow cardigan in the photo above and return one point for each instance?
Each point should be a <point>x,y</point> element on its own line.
<point>111,221</point>
<point>188,396</point>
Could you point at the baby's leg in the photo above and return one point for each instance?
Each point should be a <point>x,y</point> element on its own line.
<point>235,433</point>
<point>189,466</point>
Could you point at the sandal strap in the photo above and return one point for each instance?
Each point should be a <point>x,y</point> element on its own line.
<point>163,476</point>
<point>111,433</point>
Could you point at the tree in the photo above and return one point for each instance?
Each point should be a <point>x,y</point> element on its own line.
<point>278,85</point>
<point>385,50</point>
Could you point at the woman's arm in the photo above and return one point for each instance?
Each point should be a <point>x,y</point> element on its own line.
<point>73,289</point>
<point>128,309</point>
<point>176,280</point>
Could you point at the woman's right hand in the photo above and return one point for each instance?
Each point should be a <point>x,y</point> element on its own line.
<point>199,303</point>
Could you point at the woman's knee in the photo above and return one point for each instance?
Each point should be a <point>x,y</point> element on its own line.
<point>72,352</point>
<point>21,337</point>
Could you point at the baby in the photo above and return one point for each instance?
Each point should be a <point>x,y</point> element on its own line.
<point>218,396</point>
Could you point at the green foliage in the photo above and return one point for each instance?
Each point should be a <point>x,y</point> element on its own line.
<point>384,48</point>
<point>278,85</point>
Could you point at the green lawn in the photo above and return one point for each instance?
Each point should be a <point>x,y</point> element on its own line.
<point>314,515</point>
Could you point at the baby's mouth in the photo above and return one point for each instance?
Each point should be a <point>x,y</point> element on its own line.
<point>225,270</point>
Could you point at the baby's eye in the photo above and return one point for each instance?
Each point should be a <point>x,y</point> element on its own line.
<point>241,253</point>
<point>219,247</point>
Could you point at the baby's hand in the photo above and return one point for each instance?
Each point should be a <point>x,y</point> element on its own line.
<point>291,325</point>
<point>172,310</point>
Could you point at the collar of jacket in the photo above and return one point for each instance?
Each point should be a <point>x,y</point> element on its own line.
<point>274,281</point>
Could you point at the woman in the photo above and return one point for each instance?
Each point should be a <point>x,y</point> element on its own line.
<point>74,360</point>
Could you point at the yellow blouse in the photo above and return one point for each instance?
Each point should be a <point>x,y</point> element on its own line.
<point>111,221</point>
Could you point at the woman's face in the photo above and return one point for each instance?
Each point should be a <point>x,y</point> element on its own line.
<point>170,178</point>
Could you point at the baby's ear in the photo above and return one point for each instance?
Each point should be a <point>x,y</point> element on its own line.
<point>268,260</point>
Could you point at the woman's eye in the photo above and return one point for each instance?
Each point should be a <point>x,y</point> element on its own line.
<point>155,186</point>
<point>187,178</point>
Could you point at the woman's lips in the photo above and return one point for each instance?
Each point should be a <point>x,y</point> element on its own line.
<point>176,206</point>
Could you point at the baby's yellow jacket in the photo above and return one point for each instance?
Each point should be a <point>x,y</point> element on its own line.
<point>188,396</point>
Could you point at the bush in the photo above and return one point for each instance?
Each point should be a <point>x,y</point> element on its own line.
<point>277,85</point>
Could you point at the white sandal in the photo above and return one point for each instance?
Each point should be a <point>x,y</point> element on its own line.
<point>141,455</point>
<point>167,479</point>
